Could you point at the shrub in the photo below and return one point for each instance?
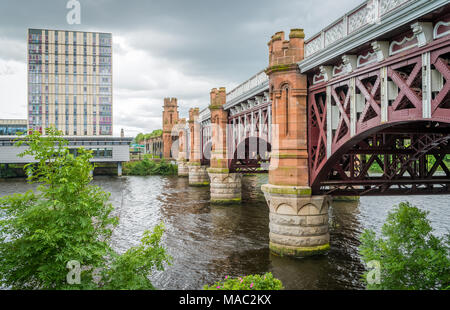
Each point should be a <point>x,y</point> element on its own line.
<point>410,256</point>
<point>149,167</point>
<point>7,172</point>
<point>250,282</point>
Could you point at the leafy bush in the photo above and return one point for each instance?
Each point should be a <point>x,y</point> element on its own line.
<point>7,172</point>
<point>250,282</point>
<point>67,219</point>
<point>149,167</point>
<point>131,269</point>
<point>410,256</point>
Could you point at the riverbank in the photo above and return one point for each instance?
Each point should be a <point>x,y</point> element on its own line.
<point>149,166</point>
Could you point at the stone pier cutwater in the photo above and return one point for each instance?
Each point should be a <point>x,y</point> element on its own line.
<point>198,176</point>
<point>298,221</point>
<point>183,168</point>
<point>225,187</point>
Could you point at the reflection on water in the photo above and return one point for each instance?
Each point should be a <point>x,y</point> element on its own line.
<point>209,242</point>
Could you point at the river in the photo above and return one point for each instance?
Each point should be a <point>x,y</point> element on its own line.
<point>208,242</point>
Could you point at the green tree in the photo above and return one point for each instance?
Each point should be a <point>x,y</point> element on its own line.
<point>410,256</point>
<point>65,219</point>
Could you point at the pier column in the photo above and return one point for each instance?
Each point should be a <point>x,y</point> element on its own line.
<point>183,170</point>
<point>198,176</point>
<point>226,187</point>
<point>170,118</point>
<point>119,169</point>
<point>298,220</point>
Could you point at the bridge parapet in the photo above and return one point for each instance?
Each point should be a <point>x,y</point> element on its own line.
<point>362,25</point>
<point>253,86</point>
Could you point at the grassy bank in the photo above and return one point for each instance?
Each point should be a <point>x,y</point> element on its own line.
<point>147,166</point>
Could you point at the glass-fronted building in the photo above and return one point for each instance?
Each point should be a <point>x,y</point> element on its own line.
<point>11,127</point>
<point>70,82</point>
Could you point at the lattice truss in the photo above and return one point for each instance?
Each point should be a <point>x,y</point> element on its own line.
<point>408,163</point>
<point>249,141</point>
<point>393,163</point>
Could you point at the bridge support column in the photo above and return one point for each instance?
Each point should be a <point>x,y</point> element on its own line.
<point>183,170</point>
<point>198,176</point>
<point>298,220</point>
<point>226,187</point>
<point>119,169</point>
<point>170,118</point>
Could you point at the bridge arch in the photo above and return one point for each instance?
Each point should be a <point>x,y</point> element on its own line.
<point>406,154</point>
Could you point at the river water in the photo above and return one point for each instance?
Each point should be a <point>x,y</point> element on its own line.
<point>208,242</point>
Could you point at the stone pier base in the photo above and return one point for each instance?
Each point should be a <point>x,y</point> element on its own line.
<point>298,221</point>
<point>183,169</point>
<point>198,176</point>
<point>226,188</point>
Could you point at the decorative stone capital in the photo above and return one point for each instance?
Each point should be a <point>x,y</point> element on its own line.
<point>326,72</point>
<point>381,49</point>
<point>423,31</point>
<point>350,62</point>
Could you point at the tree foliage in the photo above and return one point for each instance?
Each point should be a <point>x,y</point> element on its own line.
<point>141,136</point>
<point>410,256</point>
<point>66,219</point>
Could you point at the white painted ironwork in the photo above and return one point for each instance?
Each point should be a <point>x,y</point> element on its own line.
<point>368,13</point>
<point>436,28</point>
<point>257,80</point>
<point>365,57</point>
<point>399,43</point>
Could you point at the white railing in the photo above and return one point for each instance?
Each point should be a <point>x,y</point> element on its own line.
<point>255,81</point>
<point>368,13</point>
<point>204,114</point>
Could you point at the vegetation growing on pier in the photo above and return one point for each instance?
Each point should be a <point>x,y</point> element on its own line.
<point>67,219</point>
<point>408,255</point>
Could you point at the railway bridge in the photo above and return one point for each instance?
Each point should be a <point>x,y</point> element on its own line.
<point>370,92</point>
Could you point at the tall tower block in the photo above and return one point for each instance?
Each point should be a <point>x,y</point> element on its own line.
<point>170,119</point>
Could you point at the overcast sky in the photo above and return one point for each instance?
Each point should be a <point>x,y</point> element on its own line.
<point>161,48</point>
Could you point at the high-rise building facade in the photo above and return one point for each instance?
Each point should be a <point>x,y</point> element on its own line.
<point>70,82</point>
